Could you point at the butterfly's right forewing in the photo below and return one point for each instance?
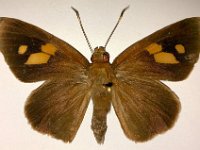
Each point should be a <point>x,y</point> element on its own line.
<point>167,54</point>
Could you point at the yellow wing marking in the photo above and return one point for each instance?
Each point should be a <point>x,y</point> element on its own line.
<point>22,49</point>
<point>49,49</point>
<point>164,57</point>
<point>180,48</point>
<point>154,48</point>
<point>37,58</point>
<point>167,58</point>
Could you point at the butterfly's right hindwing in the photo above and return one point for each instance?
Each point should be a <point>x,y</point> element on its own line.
<point>144,108</point>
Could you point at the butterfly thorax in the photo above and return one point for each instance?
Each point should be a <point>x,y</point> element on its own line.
<point>100,71</point>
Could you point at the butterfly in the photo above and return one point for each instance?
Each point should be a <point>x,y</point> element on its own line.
<point>144,105</point>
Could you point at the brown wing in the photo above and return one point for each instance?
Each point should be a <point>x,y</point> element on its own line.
<point>168,54</point>
<point>34,54</point>
<point>57,108</point>
<point>144,108</point>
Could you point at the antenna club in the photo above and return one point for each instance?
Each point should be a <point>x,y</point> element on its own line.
<point>75,10</point>
<point>122,13</point>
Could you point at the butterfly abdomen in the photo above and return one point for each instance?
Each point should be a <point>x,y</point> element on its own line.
<point>102,103</point>
<point>99,126</point>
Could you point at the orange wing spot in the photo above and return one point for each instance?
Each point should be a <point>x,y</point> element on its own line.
<point>180,48</point>
<point>22,49</point>
<point>49,49</point>
<point>37,59</point>
<point>166,58</point>
<point>154,48</point>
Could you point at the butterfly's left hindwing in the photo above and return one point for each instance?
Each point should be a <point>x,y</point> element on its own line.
<point>57,108</point>
<point>34,55</point>
<point>168,54</point>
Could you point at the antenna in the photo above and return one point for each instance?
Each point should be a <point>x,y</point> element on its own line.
<point>120,17</point>
<point>80,22</point>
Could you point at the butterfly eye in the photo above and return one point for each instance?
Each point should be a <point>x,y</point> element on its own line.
<point>106,57</point>
<point>95,57</point>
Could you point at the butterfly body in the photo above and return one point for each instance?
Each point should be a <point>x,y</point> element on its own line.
<point>144,106</point>
<point>102,79</point>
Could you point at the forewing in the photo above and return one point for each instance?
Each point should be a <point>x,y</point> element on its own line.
<point>168,54</point>
<point>57,108</point>
<point>34,54</point>
<point>144,108</point>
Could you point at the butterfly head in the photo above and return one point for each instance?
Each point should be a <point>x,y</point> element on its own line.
<point>100,55</point>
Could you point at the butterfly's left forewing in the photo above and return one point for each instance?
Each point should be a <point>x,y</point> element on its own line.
<point>144,106</point>
<point>34,54</point>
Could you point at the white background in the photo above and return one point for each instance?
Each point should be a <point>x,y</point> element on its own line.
<point>99,18</point>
